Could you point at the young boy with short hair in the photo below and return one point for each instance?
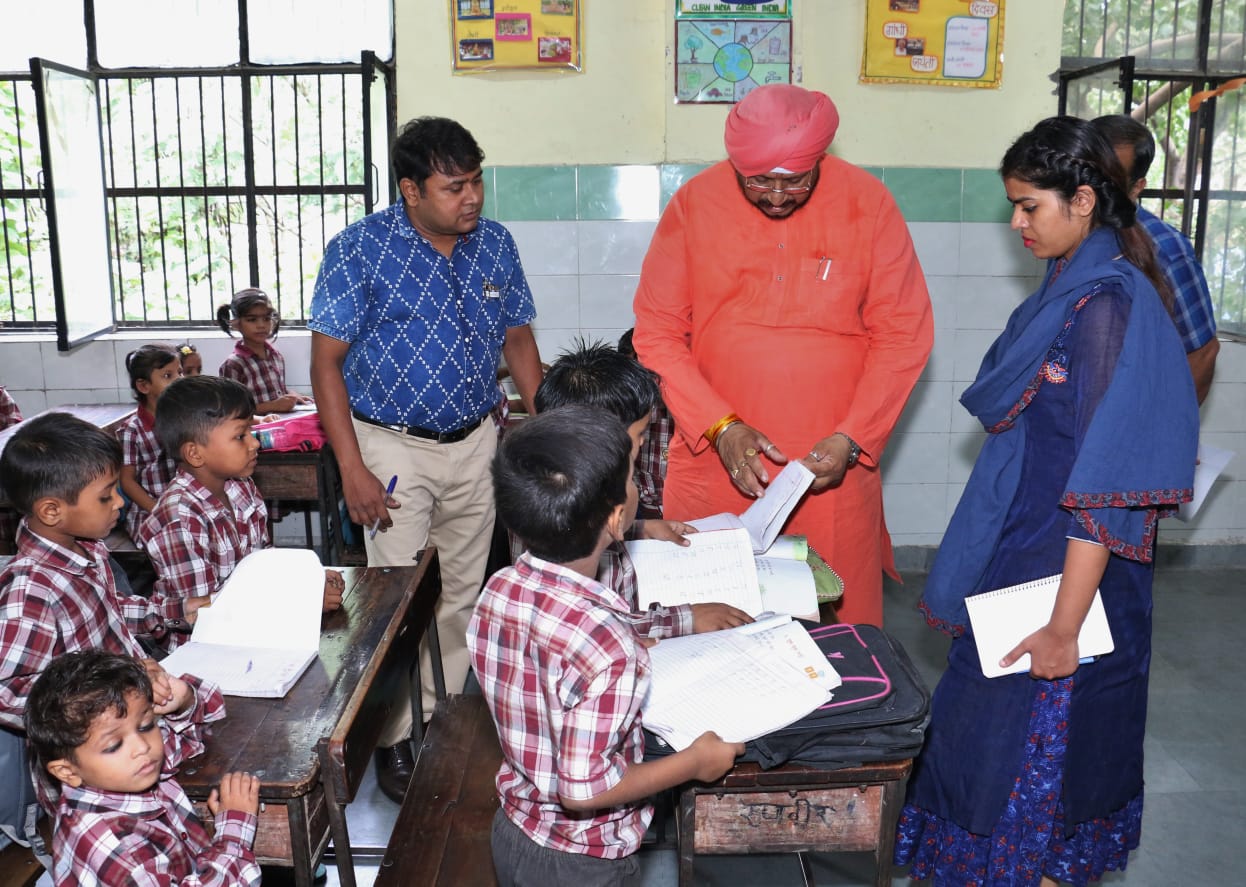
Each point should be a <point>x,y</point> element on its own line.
<point>211,515</point>
<point>58,594</point>
<point>599,376</point>
<point>121,817</point>
<point>562,669</point>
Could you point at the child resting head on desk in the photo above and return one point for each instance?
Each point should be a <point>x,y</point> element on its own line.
<point>255,363</point>
<point>146,470</point>
<point>121,812</point>
<point>211,515</point>
<point>572,785</point>
<point>599,376</point>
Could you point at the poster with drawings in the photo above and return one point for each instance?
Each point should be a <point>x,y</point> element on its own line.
<point>723,60</point>
<point>496,35</point>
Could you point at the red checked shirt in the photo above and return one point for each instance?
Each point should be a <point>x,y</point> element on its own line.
<point>9,413</point>
<point>152,468</point>
<point>264,377</point>
<point>650,469</point>
<point>615,570</point>
<point>154,838</point>
<point>564,677</point>
<point>195,540</point>
<point>53,601</point>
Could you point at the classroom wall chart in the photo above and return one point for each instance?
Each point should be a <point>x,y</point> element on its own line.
<point>724,50</point>
<point>934,42</point>
<point>496,35</point>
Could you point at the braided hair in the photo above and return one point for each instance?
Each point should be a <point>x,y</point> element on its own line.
<point>1061,154</point>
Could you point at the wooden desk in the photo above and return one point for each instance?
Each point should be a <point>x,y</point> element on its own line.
<point>794,809</point>
<point>347,693</point>
<point>309,479</point>
<point>108,416</point>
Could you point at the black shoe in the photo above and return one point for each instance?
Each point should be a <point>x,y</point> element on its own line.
<point>394,766</point>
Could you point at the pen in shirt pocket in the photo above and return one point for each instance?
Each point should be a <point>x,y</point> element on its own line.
<point>824,267</point>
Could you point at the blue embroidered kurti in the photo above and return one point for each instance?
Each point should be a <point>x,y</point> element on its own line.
<point>425,331</point>
<point>1021,777</point>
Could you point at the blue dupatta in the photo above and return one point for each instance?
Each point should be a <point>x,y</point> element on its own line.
<point>1136,460</point>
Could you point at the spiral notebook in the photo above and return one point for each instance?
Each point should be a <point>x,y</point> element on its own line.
<point>1002,618</point>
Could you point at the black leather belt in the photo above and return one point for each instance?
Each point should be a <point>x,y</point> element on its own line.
<point>423,433</point>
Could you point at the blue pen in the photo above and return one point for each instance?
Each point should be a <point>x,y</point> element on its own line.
<point>389,491</point>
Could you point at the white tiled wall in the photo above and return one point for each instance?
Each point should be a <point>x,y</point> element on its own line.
<point>583,275</point>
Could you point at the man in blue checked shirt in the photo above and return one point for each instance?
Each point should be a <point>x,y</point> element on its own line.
<point>1193,312</point>
<point>413,309</point>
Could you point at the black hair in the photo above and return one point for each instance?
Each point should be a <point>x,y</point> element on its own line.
<point>57,455</point>
<point>242,302</point>
<point>558,476</point>
<point>74,690</point>
<point>599,376</point>
<point>145,360</point>
<point>428,145</point>
<point>625,346</point>
<point>193,406</point>
<point>1122,130</point>
<point>1061,154</point>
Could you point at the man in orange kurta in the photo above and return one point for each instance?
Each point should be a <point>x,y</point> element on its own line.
<point>784,308</point>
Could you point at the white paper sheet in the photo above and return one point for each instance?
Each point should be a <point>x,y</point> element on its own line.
<point>1211,464</point>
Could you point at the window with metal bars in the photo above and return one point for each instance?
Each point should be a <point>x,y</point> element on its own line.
<point>214,179</point>
<point>1175,66</point>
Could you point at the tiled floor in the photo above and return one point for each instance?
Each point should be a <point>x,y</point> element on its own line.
<point>1196,786</point>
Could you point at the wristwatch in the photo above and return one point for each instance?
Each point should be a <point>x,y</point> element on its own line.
<point>854,450</point>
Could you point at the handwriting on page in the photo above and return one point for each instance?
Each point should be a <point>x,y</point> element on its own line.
<point>716,566</point>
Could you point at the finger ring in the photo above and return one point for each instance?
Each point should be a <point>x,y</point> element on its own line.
<point>750,453</point>
<point>735,472</point>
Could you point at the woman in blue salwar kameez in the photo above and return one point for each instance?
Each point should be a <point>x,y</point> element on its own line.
<point>1092,433</point>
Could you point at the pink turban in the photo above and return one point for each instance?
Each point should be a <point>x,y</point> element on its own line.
<point>780,127</point>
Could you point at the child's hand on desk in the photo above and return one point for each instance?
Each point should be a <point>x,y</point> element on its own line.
<point>714,617</point>
<point>285,403</point>
<point>302,398</point>
<point>238,791</point>
<point>666,530</point>
<point>334,587</point>
<point>713,756</point>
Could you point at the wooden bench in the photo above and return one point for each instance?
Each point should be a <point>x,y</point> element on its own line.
<point>442,835</point>
<point>18,867</point>
<point>794,808</point>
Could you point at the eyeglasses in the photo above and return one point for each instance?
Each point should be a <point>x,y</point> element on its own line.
<point>762,185</point>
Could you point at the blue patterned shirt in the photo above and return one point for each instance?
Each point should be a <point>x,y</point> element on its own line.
<point>425,331</point>
<point>1192,312</point>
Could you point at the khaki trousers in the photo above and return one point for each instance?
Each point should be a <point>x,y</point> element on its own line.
<point>446,496</point>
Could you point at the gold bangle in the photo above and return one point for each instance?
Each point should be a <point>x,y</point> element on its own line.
<point>719,427</point>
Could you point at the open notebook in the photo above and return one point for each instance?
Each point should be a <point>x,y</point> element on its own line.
<point>741,683</point>
<point>262,630</point>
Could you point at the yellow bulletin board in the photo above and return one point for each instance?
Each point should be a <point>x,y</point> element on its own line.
<point>497,35</point>
<point>934,42</point>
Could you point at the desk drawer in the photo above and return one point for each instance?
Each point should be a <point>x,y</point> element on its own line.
<point>293,483</point>
<point>762,822</point>
<point>273,841</point>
